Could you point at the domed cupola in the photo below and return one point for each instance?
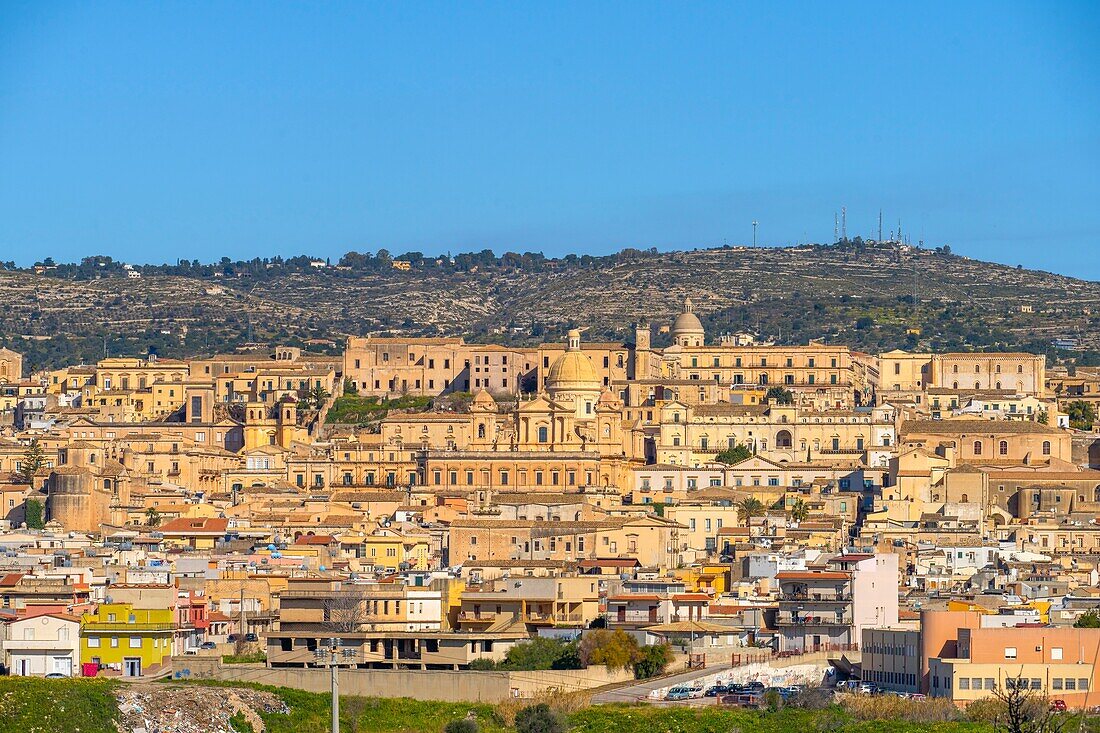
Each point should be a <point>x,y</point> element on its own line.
<point>687,329</point>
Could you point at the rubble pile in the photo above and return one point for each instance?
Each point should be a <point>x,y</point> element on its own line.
<point>192,709</point>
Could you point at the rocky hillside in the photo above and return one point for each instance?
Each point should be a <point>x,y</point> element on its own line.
<point>850,293</point>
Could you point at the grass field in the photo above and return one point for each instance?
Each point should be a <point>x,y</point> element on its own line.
<point>89,706</point>
<point>32,705</point>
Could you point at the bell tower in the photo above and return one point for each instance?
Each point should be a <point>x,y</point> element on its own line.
<point>259,426</point>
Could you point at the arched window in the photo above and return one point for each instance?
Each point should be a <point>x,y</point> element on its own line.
<point>965,498</point>
<point>998,385</point>
<point>1046,447</point>
<point>481,430</point>
<point>954,385</point>
<point>1002,448</point>
<point>977,447</point>
<point>977,368</point>
<point>783,439</point>
<point>955,369</point>
<point>1020,369</point>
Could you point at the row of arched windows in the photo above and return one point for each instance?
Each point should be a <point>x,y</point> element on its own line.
<point>1002,448</point>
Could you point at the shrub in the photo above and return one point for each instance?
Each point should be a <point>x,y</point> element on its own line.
<point>652,660</point>
<point>888,707</point>
<point>483,665</point>
<point>542,653</point>
<point>811,698</point>
<point>613,649</point>
<point>539,719</point>
<point>462,725</point>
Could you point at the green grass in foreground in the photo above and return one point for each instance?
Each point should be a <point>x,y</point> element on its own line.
<point>88,706</point>
<point>634,719</point>
<point>33,705</point>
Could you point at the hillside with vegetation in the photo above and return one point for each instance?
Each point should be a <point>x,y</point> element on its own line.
<point>871,296</point>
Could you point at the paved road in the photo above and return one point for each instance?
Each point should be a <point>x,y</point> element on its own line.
<point>631,693</point>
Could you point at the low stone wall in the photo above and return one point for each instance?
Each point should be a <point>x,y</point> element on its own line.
<point>443,685</point>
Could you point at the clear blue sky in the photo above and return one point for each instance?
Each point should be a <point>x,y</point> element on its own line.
<point>152,131</point>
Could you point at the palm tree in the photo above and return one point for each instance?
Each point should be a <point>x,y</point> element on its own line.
<point>749,508</point>
<point>799,511</point>
<point>318,395</point>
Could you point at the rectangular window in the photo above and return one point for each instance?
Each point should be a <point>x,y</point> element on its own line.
<point>1010,652</point>
<point>964,683</point>
<point>135,642</point>
<point>93,642</point>
<point>1056,652</point>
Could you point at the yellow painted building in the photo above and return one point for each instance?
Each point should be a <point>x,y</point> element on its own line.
<point>126,640</point>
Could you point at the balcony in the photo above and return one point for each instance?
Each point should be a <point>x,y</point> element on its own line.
<point>813,596</point>
<point>787,618</point>
<point>94,626</point>
<point>473,617</point>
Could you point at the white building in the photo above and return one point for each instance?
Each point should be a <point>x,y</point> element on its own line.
<point>41,645</point>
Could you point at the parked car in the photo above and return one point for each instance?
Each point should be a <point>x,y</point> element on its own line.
<point>59,676</point>
<point>743,700</point>
<point>678,693</point>
<point>234,638</point>
<point>756,685</point>
<point>208,645</point>
<point>695,691</point>
<point>716,690</point>
<point>1058,705</point>
<point>918,696</point>
<point>251,637</point>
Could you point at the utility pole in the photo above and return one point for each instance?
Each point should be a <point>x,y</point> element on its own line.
<point>880,225</point>
<point>844,223</point>
<point>333,657</point>
<point>836,227</point>
<point>754,223</point>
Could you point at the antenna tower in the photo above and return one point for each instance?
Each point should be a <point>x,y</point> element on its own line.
<point>844,223</point>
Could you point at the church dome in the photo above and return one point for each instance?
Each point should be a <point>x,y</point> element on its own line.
<point>573,369</point>
<point>687,329</point>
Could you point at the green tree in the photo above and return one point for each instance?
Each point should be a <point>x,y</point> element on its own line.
<point>1082,415</point>
<point>652,660</point>
<point>613,649</point>
<point>542,653</point>
<point>33,461</point>
<point>539,719</point>
<point>780,395</point>
<point>736,454</point>
<point>749,508</point>
<point>152,517</point>
<point>1088,620</point>
<point>35,514</point>
<point>799,511</point>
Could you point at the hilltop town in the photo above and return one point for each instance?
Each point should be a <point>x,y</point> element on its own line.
<point>922,523</point>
